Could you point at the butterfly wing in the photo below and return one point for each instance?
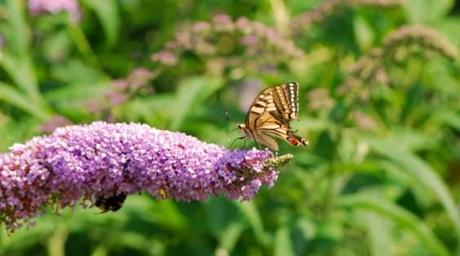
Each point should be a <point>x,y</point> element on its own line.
<point>270,114</point>
<point>261,104</point>
<point>286,99</point>
<point>258,115</point>
<point>282,130</point>
<point>266,140</point>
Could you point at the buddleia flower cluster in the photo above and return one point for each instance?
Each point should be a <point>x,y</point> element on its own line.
<point>38,7</point>
<point>84,163</point>
<point>227,43</point>
<point>397,47</point>
<point>120,91</point>
<point>328,8</point>
<point>319,100</point>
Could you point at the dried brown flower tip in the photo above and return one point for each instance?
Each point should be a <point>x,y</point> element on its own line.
<point>2,42</point>
<point>121,90</point>
<point>319,99</point>
<point>223,22</point>
<point>363,121</point>
<point>328,7</point>
<point>165,57</point>
<point>369,69</point>
<point>3,13</point>
<point>418,37</point>
<point>316,15</point>
<point>4,118</point>
<point>354,88</point>
<point>138,78</point>
<point>54,122</point>
<point>278,161</point>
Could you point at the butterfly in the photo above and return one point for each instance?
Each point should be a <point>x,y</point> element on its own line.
<point>270,113</point>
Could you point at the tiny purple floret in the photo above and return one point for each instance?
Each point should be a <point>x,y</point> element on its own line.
<point>100,159</point>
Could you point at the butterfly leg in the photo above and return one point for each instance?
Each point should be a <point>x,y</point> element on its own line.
<point>235,140</point>
<point>259,146</point>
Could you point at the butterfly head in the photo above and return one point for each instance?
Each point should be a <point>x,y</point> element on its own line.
<point>243,128</point>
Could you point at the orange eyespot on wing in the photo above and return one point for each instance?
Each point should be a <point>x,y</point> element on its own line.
<point>293,141</point>
<point>296,140</point>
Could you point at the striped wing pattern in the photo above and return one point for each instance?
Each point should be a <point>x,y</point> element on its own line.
<point>286,98</point>
<point>270,114</point>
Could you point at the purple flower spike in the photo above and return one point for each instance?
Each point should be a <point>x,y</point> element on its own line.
<point>106,160</point>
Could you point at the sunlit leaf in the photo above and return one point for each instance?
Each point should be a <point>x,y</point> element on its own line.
<point>399,216</point>
<point>107,12</point>
<point>18,99</point>
<point>423,11</point>
<point>423,173</point>
<point>191,93</point>
<point>283,243</point>
<point>230,235</point>
<point>380,234</point>
<point>252,215</point>
<point>363,33</point>
<point>18,33</point>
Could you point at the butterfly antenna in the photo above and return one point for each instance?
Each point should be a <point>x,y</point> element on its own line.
<point>227,115</point>
<point>229,118</point>
<point>237,139</point>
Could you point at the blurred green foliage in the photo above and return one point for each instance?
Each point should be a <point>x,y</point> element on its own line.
<point>379,105</point>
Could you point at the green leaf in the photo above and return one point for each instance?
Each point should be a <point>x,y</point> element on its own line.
<point>283,242</point>
<point>132,240</point>
<point>18,34</point>
<point>423,173</point>
<point>192,92</point>
<point>450,119</point>
<point>164,213</point>
<point>280,14</point>
<point>107,12</point>
<point>151,110</point>
<point>249,210</point>
<point>449,28</point>
<point>15,97</point>
<point>379,233</point>
<point>21,70</point>
<point>425,11</point>
<point>230,235</point>
<point>81,42</point>
<point>398,215</point>
<point>363,32</point>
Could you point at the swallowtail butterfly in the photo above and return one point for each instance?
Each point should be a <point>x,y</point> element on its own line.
<point>270,113</point>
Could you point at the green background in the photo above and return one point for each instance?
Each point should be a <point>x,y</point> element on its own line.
<point>381,175</point>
